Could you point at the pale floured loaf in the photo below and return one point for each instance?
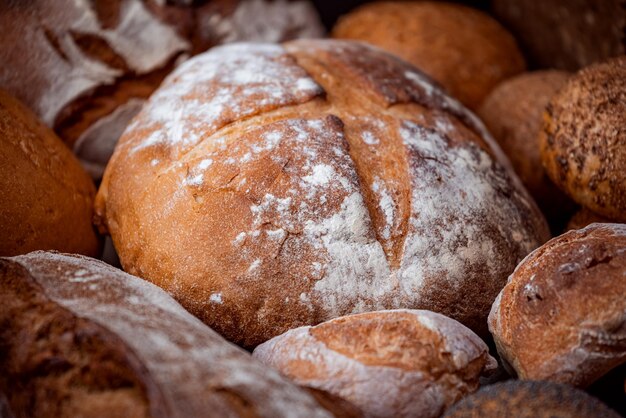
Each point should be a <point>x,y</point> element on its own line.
<point>400,363</point>
<point>267,187</point>
<point>83,339</point>
<point>562,316</point>
<point>86,67</point>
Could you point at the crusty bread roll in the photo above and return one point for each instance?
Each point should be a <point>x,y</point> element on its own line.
<point>565,34</point>
<point>562,316</point>
<point>83,339</point>
<point>47,197</point>
<point>584,217</point>
<point>86,67</point>
<point>513,113</point>
<point>267,187</point>
<point>401,363</point>
<point>583,141</point>
<point>465,50</point>
<point>528,399</point>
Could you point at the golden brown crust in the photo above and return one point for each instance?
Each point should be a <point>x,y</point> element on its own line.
<point>424,361</point>
<point>465,50</point>
<point>529,399</point>
<point>513,113</point>
<point>584,217</point>
<point>47,197</point>
<point>282,186</point>
<point>562,316</point>
<point>583,137</point>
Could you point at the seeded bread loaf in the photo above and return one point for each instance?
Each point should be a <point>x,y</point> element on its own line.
<point>86,67</point>
<point>47,198</point>
<point>267,187</point>
<point>401,363</point>
<point>83,339</point>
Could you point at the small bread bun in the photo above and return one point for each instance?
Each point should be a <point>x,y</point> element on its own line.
<point>47,197</point>
<point>402,363</point>
<point>268,187</point>
<point>83,339</point>
<point>529,399</point>
<point>513,113</point>
<point>562,316</point>
<point>465,50</point>
<point>584,135</point>
<point>583,218</point>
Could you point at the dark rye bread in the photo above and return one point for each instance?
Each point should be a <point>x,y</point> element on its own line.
<point>272,186</point>
<point>583,140</point>
<point>529,399</point>
<point>80,338</point>
<point>562,315</point>
<point>86,67</point>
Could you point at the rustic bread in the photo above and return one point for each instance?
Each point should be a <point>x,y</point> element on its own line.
<point>584,136</point>
<point>529,399</point>
<point>565,34</point>
<point>465,50</point>
<point>584,217</point>
<point>268,187</point>
<point>513,113</point>
<point>47,197</point>
<point>562,316</point>
<point>86,67</point>
<point>401,363</point>
<point>83,339</point>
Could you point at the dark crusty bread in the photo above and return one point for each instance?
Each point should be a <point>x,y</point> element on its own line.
<point>464,49</point>
<point>565,34</point>
<point>529,399</point>
<point>562,316</point>
<point>86,67</point>
<point>267,187</point>
<point>513,113</point>
<point>583,140</point>
<point>584,217</point>
<point>46,198</point>
<point>83,339</point>
<point>399,363</point>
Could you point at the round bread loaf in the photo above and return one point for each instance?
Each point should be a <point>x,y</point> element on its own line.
<point>83,339</point>
<point>401,363</point>
<point>562,316</point>
<point>583,141</point>
<point>465,50</point>
<point>47,197</point>
<point>86,67</point>
<point>528,399</point>
<point>588,31</point>
<point>268,187</point>
<point>513,113</point>
<point>584,217</point>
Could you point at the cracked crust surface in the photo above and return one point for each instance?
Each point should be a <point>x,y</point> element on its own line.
<point>529,399</point>
<point>81,338</point>
<point>463,49</point>
<point>584,135</point>
<point>47,197</point>
<point>267,187</point>
<point>562,316</point>
<point>423,360</point>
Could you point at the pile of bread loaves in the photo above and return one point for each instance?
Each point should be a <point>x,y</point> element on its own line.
<point>309,227</point>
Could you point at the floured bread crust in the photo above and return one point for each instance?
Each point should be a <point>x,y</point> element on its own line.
<point>47,198</point>
<point>583,137</point>
<point>89,65</point>
<point>81,338</point>
<point>268,187</point>
<point>398,363</point>
<point>562,316</point>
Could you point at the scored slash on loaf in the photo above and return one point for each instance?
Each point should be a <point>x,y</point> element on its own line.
<point>267,187</point>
